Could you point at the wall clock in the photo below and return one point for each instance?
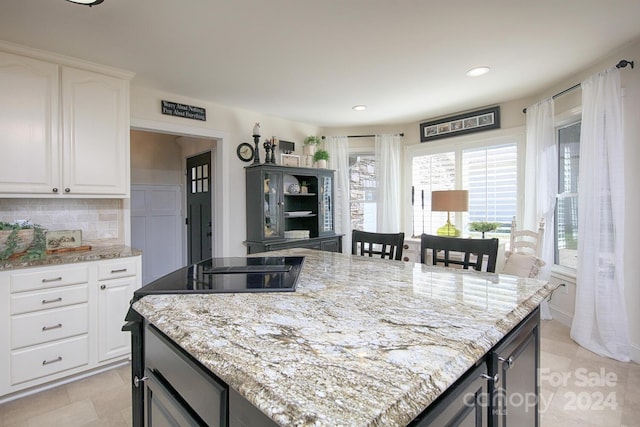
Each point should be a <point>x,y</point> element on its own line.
<point>245,152</point>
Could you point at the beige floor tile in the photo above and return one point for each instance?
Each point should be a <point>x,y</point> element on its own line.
<point>94,385</point>
<point>75,414</point>
<point>20,410</point>
<point>113,401</point>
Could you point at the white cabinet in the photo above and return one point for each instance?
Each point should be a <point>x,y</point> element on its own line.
<point>64,130</point>
<point>63,320</point>
<point>117,280</point>
<point>29,120</point>
<point>48,322</point>
<point>96,133</point>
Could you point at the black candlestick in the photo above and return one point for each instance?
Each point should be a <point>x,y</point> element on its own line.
<point>256,151</point>
<point>267,147</point>
<point>273,153</point>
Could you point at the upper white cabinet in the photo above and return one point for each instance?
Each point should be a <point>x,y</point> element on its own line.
<point>64,130</point>
<point>96,133</point>
<point>29,120</point>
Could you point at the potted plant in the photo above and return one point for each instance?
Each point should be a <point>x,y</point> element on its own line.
<point>483,226</point>
<point>310,144</point>
<point>320,157</point>
<point>22,238</point>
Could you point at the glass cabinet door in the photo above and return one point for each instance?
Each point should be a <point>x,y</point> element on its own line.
<point>273,217</point>
<point>325,188</point>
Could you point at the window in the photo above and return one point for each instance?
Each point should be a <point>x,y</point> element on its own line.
<point>488,170</point>
<point>566,233</point>
<point>363,191</point>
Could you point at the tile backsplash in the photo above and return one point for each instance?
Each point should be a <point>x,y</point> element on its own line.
<point>101,220</point>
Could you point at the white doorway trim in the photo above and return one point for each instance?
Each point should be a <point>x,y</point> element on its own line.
<point>221,190</point>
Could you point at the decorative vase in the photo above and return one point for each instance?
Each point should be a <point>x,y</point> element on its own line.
<point>309,150</point>
<point>25,237</point>
<point>304,189</point>
<point>293,189</point>
<point>307,160</point>
<point>322,164</point>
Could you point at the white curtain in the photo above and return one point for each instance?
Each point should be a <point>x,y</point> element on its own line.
<point>600,319</point>
<point>388,152</point>
<point>338,148</point>
<point>541,183</point>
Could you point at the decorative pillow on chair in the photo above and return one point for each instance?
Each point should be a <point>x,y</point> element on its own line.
<point>522,265</point>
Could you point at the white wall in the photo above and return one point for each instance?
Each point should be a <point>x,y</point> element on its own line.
<point>563,301</point>
<point>232,126</point>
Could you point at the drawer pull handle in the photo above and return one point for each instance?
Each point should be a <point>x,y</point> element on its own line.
<point>47,362</point>
<point>494,378</point>
<point>137,381</point>
<point>508,361</point>
<point>122,270</point>
<point>55,279</point>
<point>49,301</point>
<point>48,328</point>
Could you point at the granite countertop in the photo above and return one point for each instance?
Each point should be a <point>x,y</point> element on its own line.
<point>361,342</point>
<point>96,253</point>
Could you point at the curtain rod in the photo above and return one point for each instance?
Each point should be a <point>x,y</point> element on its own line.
<point>622,64</point>
<point>363,136</point>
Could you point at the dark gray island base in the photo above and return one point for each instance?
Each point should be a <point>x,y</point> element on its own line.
<point>360,342</point>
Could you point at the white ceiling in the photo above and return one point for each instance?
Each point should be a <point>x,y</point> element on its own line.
<point>312,60</point>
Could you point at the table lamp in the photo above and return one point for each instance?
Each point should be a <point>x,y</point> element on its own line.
<point>449,201</point>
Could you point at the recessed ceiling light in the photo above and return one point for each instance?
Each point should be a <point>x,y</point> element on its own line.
<point>86,2</point>
<point>359,107</point>
<point>478,71</point>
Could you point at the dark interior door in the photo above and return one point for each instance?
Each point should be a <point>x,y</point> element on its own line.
<point>199,207</point>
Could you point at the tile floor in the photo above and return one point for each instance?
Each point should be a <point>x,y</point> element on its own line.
<point>578,388</point>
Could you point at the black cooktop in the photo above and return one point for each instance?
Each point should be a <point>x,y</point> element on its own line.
<point>233,274</point>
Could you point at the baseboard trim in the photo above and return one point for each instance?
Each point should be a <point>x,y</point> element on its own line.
<point>62,381</point>
<point>561,316</point>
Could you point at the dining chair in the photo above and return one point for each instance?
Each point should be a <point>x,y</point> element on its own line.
<point>459,251</point>
<point>526,241</point>
<point>386,245</point>
<point>524,257</point>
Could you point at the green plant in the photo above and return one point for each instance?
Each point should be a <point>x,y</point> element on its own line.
<point>321,155</point>
<point>34,250</point>
<point>483,226</point>
<point>312,140</point>
<point>304,184</point>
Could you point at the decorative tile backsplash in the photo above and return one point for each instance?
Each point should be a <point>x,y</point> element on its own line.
<point>101,220</point>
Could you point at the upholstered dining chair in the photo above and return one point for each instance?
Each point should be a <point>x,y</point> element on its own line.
<point>459,251</point>
<point>384,245</point>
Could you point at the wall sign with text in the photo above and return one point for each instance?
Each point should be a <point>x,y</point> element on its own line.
<point>181,110</point>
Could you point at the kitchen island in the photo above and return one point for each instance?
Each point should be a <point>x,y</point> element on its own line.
<point>361,341</point>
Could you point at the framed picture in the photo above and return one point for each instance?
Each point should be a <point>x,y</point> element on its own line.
<point>63,239</point>
<point>460,124</point>
<point>290,160</point>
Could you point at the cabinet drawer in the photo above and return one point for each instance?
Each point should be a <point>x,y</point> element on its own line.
<point>199,390</point>
<point>43,326</point>
<point>53,298</point>
<point>118,268</point>
<point>49,278</point>
<point>47,359</point>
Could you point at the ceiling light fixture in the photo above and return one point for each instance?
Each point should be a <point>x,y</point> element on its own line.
<point>86,2</point>
<point>478,71</point>
<point>359,107</point>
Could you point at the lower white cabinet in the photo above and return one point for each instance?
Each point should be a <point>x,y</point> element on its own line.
<point>63,320</point>
<point>114,297</point>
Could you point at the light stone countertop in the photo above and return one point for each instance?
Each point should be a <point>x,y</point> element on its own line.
<point>97,252</point>
<point>361,342</point>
